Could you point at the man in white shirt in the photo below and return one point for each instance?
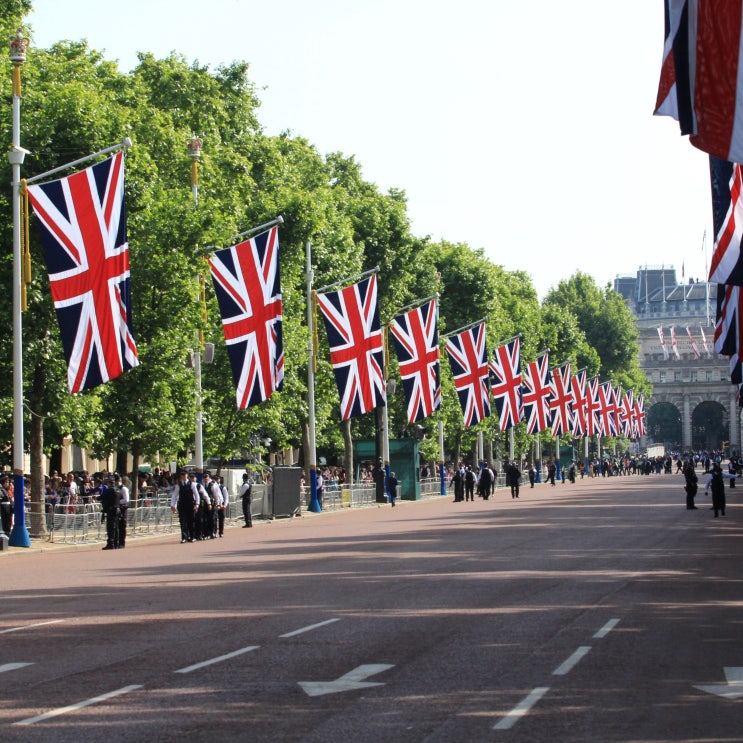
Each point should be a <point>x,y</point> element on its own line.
<point>123,492</point>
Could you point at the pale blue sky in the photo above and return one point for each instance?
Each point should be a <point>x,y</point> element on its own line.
<point>524,128</point>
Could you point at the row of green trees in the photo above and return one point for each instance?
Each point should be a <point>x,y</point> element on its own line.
<point>76,102</point>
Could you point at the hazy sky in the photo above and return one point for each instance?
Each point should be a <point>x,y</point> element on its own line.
<point>524,128</point>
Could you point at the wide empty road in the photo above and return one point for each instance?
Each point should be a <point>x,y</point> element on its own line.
<point>600,611</point>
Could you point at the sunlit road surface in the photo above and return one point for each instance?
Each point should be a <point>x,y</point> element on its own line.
<point>600,611</point>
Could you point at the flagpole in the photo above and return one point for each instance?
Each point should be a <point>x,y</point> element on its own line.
<point>193,145</point>
<point>259,228</point>
<point>412,305</point>
<point>19,536</point>
<point>466,327</point>
<point>314,504</point>
<point>124,144</point>
<point>350,280</point>
<point>442,459</point>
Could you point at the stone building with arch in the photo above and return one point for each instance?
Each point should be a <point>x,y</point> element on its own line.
<point>693,405</point>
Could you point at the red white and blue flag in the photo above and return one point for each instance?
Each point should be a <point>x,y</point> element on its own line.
<point>536,390</point>
<point>605,410</point>
<point>505,383</point>
<point>701,79</point>
<point>615,409</point>
<point>593,425</point>
<point>561,400</point>
<point>693,343</point>
<point>578,391</point>
<point>726,180</point>
<point>247,282</point>
<point>351,318</point>
<point>628,414</point>
<point>469,365</point>
<point>416,338</point>
<point>82,223</point>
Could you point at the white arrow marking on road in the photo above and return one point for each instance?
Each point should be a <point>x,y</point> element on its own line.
<point>352,680</point>
<point>13,666</point>
<point>734,687</point>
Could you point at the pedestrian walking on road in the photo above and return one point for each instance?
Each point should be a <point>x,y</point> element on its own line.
<point>513,478</point>
<point>392,486</point>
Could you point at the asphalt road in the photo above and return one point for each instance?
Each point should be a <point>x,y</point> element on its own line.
<point>587,612</point>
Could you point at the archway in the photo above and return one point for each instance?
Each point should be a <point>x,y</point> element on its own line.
<point>709,426</point>
<point>664,425</point>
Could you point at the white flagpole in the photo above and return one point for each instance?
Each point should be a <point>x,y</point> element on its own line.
<point>19,536</point>
<point>314,504</point>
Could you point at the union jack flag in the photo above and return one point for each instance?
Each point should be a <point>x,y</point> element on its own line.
<point>247,282</point>
<point>561,400</point>
<point>82,224</point>
<point>537,395</point>
<point>578,389</point>
<point>469,365</point>
<point>615,409</point>
<point>729,326</point>
<point>640,416</point>
<point>726,178</point>
<point>356,349</point>
<point>592,407</point>
<point>605,410</point>
<point>416,338</point>
<point>628,406</point>
<point>505,383</point>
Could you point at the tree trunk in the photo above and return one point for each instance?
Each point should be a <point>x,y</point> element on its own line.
<point>135,470</point>
<point>347,451</point>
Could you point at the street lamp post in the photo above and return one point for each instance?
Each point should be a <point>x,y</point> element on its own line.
<point>19,536</point>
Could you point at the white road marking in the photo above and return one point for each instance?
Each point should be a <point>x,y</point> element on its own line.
<point>571,662</point>
<point>210,662</point>
<point>733,689</point>
<point>28,626</point>
<point>310,627</point>
<point>608,627</point>
<point>13,666</point>
<point>352,680</point>
<point>79,705</point>
<point>507,722</point>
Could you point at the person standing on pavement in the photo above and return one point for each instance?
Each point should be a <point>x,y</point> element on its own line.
<point>716,483</point>
<point>6,506</point>
<point>185,500</point>
<point>532,475</point>
<point>122,490</point>
<point>245,497</point>
<point>690,476</point>
<point>109,501</point>
<point>225,506</point>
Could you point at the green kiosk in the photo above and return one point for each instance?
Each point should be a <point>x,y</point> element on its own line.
<point>403,462</point>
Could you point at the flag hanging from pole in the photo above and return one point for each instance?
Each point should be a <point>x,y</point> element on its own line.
<point>247,282</point>
<point>628,415</point>
<point>705,345</point>
<point>693,343</point>
<point>351,318</point>
<point>561,400</point>
<point>416,338</point>
<point>468,361</point>
<point>593,425</point>
<point>505,383</point>
<point>726,181</point>
<point>605,410</point>
<point>674,346</point>
<point>536,391</point>
<point>663,345</point>
<point>578,390</point>
<point>82,224</point>
<point>700,82</point>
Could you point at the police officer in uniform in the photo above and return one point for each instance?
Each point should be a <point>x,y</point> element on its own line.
<point>185,500</point>
<point>246,499</point>
<point>109,500</point>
